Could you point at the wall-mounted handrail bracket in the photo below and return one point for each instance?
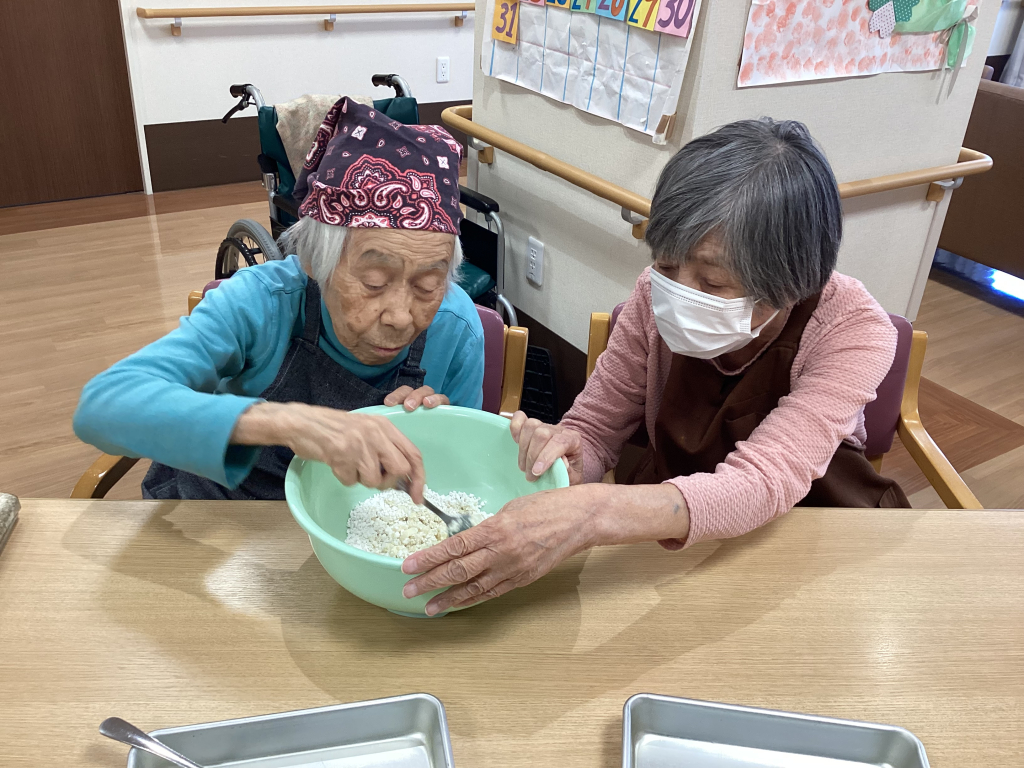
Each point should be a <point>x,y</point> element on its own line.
<point>485,152</point>
<point>176,27</point>
<point>461,19</point>
<point>329,22</point>
<point>630,217</point>
<point>937,189</point>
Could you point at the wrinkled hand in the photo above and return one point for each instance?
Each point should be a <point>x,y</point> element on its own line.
<point>541,445</point>
<point>412,399</point>
<point>359,448</point>
<point>529,537</point>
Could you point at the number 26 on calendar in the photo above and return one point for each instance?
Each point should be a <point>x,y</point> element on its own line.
<point>613,9</point>
<point>506,21</point>
<point>675,17</point>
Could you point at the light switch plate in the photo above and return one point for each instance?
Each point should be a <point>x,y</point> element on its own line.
<point>535,261</point>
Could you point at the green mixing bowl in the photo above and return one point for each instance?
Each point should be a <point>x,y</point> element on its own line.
<point>463,450</point>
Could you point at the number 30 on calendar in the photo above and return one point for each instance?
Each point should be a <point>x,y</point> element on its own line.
<point>675,17</point>
<point>506,21</point>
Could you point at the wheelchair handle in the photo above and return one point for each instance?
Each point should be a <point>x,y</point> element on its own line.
<point>242,104</point>
<point>397,82</point>
<point>478,202</point>
<point>247,94</point>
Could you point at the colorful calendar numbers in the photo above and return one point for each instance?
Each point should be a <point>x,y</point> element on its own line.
<point>612,9</point>
<point>675,17</point>
<point>642,13</point>
<point>584,6</point>
<point>506,21</point>
<point>534,2</point>
<point>560,3</point>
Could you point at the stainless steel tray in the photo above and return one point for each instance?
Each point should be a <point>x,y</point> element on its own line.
<point>402,732</point>
<point>665,732</point>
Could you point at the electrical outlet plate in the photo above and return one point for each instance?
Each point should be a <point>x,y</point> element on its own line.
<point>535,261</point>
<point>444,69</point>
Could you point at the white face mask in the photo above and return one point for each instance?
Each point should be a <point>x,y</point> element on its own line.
<point>697,324</point>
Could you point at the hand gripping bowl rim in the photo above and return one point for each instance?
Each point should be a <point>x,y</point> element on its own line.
<point>312,528</point>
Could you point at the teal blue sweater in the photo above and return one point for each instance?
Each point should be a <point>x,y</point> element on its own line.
<point>176,400</point>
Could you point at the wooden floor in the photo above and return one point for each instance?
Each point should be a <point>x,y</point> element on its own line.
<point>87,282</point>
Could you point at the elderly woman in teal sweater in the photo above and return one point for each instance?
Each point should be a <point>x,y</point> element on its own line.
<point>272,362</point>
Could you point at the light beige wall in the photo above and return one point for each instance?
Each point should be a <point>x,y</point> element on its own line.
<point>869,126</point>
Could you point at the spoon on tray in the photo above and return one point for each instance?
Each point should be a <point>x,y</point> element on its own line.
<point>456,523</point>
<point>121,730</point>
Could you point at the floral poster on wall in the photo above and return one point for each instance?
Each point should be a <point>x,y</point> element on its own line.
<point>794,40</point>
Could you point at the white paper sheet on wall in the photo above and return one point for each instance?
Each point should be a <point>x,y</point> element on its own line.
<point>602,66</point>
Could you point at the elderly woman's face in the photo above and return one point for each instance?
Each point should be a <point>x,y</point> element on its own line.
<point>704,272</point>
<point>386,289</point>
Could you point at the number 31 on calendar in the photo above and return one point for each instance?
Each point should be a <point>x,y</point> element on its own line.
<point>506,21</point>
<point>675,17</point>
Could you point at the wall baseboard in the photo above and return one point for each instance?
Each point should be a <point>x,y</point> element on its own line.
<point>204,153</point>
<point>570,363</point>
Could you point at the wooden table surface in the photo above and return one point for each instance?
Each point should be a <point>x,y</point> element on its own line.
<point>174,613</point>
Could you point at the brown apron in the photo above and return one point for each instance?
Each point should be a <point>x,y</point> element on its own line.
<point>704,413</point>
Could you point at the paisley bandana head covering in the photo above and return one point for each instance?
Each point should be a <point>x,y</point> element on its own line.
<point>367,170</point>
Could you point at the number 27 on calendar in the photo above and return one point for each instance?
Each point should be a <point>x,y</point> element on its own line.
<point>506,21</point>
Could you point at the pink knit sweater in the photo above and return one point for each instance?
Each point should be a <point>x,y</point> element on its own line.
<point>845,352</point>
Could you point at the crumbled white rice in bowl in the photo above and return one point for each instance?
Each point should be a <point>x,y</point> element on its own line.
<point>390,524</point>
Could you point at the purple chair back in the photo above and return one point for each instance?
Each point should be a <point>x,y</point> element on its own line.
<point>494,352</point>
<point>494,356</point>
<point>615,316</point>
<point>882,414</point>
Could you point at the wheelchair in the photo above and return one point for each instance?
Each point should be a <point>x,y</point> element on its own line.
<point>248,243</point>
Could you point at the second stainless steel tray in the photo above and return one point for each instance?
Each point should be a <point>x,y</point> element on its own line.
<point>665,732</point>
<point>401,732</point>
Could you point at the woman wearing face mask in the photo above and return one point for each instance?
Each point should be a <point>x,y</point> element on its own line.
<point>746,357</point>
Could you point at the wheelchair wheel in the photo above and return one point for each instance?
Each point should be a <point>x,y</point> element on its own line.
<point>247,244</point>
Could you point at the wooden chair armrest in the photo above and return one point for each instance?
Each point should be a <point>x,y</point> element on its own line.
<point>516,341</point>
<point>101,476</point>
<point>600,330</point>
<point>194,297</point>
<point>919,444</point>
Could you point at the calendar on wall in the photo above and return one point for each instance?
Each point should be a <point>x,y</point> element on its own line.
<point>622,60</point>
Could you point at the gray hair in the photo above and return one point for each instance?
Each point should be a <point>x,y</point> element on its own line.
<point>319,247</point>
<point>766,189</point>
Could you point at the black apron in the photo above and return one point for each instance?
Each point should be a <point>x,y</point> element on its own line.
<point>705,412</point>
<point>307,375</point>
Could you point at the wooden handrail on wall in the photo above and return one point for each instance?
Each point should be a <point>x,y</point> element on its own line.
<point>297,10</point>
<point>301,10</point>
<point>461,118</point>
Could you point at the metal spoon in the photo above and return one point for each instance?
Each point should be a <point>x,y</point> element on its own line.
<point>456,523</point>
<point>120,730</point>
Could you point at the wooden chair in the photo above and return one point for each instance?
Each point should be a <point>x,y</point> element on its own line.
<point>504,368</point>
<point>894,410</point>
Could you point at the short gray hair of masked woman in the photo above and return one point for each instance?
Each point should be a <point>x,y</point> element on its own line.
<point>766,190</point>
<point>320,246</point>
